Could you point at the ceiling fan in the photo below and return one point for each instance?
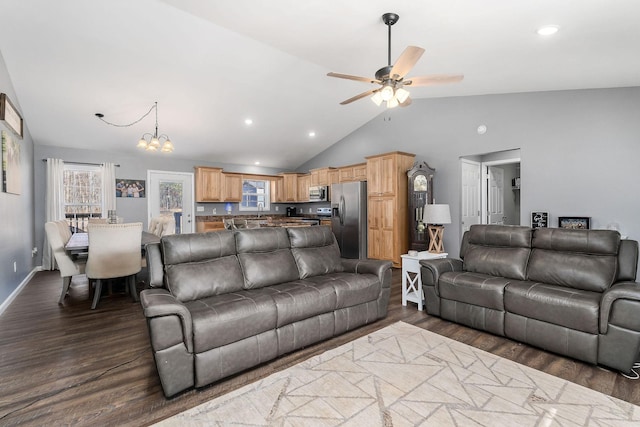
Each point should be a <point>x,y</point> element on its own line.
<point>392,77</point>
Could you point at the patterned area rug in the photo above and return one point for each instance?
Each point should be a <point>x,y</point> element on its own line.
<point>403,375</point>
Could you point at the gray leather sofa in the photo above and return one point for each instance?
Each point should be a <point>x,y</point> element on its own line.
<point>572,292</point>
<point>225,301</point>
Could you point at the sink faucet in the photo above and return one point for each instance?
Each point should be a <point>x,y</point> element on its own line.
<point>260,209</point>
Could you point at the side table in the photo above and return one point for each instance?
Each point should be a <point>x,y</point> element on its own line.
<point>411,278</point>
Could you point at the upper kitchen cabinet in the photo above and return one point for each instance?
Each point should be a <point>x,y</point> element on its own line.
<point>277,190</point>
<point>320,176</point>
<point>290,186</point>
<point>208,184</point>
<point>232,187</point>
<point>303,188</point>
<point>356,172</point>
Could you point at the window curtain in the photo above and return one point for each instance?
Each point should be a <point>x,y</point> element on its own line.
<point>108,188</point>
<point>54,205</point>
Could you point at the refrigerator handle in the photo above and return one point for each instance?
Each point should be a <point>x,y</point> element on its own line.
<point>341,210</point>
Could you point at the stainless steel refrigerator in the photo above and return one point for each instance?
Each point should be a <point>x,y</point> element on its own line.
<point>349,218</point>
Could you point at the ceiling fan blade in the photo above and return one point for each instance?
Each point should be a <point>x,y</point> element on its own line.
<point>434,79</point>
<point>359,96</point>
<point>406,61</point>
<point>406,103</point>
<point>350,77</point>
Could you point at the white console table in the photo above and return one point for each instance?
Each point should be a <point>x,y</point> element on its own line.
<point>411,279</point>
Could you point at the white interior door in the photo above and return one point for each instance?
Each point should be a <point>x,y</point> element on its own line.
<point>495,196</point>
<point>171,193</point>
<point>470,203</point>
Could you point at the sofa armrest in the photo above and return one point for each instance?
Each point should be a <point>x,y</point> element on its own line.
<point>160,303</point>
<point>154,265</point>
<point>431,269</point>
<point>629,291</point>
<point>380,268</point>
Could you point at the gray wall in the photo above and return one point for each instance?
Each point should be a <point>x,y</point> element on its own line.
<point>579,150</point>
<point>16,211</point>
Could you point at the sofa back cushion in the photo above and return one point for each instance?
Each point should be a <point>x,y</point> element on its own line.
<point>315,251</point>
<point>201,265</point>
<point>265,257</point>
<point>579,259</point>
<point>497,250</point>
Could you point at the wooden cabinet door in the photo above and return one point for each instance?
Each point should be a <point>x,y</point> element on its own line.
<point>382,229</point>
<point>208,184</point>
<point>303,188</point>
<point>382,175</point>
<point>232,185</point>
<point>360,172</point>
<point>290,187</point>
<point>277,190</point>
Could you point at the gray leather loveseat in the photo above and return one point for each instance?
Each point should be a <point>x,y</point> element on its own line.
<point>225,301</point>
<point>572,292</point>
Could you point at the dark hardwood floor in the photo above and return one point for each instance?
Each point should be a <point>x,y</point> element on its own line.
<point>69,365</point>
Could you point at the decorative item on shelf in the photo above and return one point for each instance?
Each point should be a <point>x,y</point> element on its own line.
<point>436,216</point>
<point>539,219</point>
<point>148,141</point>
<point>574,222</point>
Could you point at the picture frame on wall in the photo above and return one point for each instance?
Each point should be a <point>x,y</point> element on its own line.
<point>539,219</point>
<point>574,222</point>
<point>10,116</point>
<point>11,173</point>
<point>134,188</point>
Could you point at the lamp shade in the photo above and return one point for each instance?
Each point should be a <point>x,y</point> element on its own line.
<point>436,214</point>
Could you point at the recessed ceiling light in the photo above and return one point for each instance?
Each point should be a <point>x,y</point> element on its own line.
<point>248,122</point>
<point>548,30</point>
<point>256,163</point>
<point>312,134</point>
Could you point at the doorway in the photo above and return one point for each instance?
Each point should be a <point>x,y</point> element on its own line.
<point>491,189</point>
<point>171,194</point>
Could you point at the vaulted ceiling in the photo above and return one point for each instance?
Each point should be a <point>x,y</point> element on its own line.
<point>211,64</point>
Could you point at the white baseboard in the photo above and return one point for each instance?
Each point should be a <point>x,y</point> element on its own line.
<point>17,290</point>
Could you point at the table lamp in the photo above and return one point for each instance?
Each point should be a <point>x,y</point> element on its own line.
<point>435,216</point>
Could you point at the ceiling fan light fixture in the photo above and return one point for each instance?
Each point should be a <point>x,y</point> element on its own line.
<point>377,98</point>
<point>392,103</point>
<point>386,92</point>
<point>402,95</point>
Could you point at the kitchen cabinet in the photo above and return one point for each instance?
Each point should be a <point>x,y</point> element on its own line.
<point>303,188</point>
<point>387,205</point>
<point>208,184</point>
<point>350,173</point>
<point>204,226</point>
<point>277,190</point>
<point>290,186</point>
<point>232,187</point>
<point>320,176</point>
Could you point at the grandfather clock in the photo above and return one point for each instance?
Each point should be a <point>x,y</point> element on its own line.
<point>420,194</point>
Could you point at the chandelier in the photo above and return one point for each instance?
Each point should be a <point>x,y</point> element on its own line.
<point>148,141</point>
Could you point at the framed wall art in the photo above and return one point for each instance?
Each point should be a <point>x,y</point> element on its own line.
<point>539,219</point>
<point>576,222</point>
<point>10,116</point>
<point>130,188</point>
<point>11,173</point>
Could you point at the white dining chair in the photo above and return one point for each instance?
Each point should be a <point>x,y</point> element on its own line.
<point>58,234</point>
<point>114,252</point>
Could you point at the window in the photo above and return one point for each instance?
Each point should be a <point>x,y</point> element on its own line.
<point>82,194</point>
<point>255,195</point>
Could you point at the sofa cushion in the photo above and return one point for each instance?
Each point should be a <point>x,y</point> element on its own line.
<point>194,280</point>
<point>351,288</point>
<point>558,305</point>
<point>580,259</point>
<point>231,317</point>
<point>179,248</point>
<point>265,257</point>
<point>301,299</point>
<point>315,251</point>
<point>501,251</point>
<point>473,288</point>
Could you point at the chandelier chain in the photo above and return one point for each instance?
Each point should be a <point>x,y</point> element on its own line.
<point>154,106</point>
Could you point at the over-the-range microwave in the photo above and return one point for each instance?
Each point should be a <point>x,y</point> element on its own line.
<point>319,193</point>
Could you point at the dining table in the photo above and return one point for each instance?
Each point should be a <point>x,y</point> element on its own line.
<point>79,242</point>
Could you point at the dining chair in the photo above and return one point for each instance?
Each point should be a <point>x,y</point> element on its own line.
<point>58,234</point>
<point>98,221</point>
<point>114,252</point>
